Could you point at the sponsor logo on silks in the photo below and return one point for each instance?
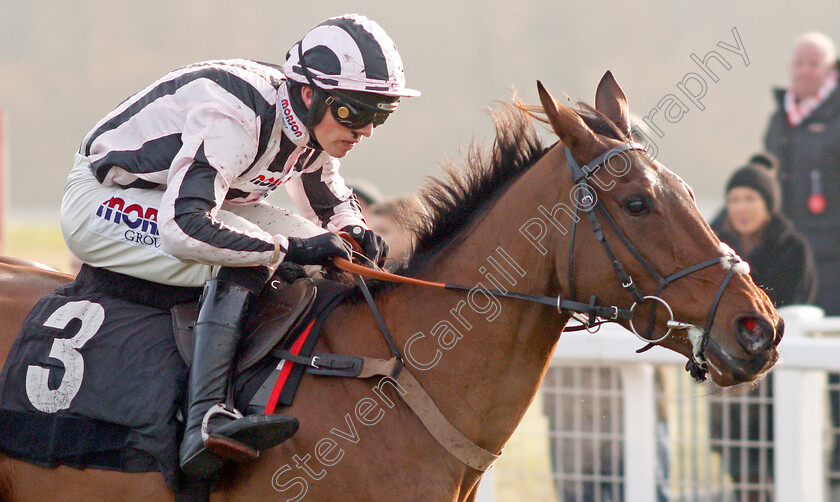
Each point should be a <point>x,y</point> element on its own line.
<point>289,118</point>
<point>125,220</point>
<point>267,182</point>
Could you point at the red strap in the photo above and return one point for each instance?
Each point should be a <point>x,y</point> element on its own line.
<point>284,373</point>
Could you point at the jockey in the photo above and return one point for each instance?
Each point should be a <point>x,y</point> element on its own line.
<point>169,188</point>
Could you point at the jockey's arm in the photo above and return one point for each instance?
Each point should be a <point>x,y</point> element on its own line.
<point>217,148</point>
<point>323,198</point>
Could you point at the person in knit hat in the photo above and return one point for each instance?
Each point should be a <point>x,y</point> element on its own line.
<point>781,263</point>
<point>780,259</point>
<point>758,179</point>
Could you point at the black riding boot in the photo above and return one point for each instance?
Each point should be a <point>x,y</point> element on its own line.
<point>213,429</point>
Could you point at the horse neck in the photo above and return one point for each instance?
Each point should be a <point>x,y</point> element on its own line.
<point>491,353</point>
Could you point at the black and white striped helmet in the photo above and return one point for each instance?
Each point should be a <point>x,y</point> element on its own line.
<point>348,53</point>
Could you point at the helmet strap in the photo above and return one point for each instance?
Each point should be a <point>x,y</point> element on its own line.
<point>317,107</point>
<point>314,116</point>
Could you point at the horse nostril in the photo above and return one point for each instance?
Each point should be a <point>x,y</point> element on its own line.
<point>754,334</point>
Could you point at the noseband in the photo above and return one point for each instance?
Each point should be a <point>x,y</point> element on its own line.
<point>589,203</point>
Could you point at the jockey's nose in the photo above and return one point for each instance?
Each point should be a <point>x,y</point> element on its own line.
<point>366,131</point>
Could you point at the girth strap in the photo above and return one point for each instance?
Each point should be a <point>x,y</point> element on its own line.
<point>440,428</point>
<point>446,434</point>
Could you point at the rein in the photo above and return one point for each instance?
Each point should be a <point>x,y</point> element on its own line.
<point>563,306</point>
<point>588,314</point>
<point>591,314</point>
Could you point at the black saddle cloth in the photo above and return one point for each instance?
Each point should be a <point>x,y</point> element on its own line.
<point>95,378</point>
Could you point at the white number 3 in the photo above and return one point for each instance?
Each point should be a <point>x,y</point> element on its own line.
<point>65,350</point>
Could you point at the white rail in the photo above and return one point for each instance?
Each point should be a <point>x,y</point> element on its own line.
<point>810,349</point>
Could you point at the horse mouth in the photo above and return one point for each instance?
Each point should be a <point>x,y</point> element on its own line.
<point>727,370</point>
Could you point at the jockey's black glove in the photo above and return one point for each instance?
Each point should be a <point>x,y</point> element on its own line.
<point>373,245</point>
<point>318,250</point>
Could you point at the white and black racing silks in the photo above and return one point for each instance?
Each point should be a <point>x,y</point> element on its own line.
<point>212,133</point>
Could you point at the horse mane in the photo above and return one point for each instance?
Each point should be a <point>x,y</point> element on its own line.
<point>448,204</point>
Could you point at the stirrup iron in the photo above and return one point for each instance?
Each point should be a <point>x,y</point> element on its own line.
<point>217,409</point>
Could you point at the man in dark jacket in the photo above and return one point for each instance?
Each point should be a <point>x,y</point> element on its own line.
<point>804,134</point>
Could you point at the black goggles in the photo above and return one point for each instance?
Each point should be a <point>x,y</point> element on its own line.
<point>354,116</point>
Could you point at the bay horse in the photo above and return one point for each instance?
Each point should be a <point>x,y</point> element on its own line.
<point>506,221</point>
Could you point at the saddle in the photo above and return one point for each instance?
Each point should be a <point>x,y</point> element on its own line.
<point>278,312</point>
<point>285,325</point>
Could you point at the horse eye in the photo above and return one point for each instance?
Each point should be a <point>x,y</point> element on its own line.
<point>637,206</point>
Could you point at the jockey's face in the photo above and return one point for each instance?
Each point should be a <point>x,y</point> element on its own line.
<point>335,138</point>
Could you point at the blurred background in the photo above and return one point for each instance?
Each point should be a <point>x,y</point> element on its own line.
<point>66,64</point>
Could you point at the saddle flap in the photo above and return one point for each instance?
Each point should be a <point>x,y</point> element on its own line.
<point>277,313</point>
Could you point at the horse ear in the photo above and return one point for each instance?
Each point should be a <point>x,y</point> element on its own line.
<point>612,102</point>
<point>568,125</point>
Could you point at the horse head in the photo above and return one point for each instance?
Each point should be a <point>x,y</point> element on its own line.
<point>698,299</point>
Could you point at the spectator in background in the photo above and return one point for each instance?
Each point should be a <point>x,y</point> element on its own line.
<point>804,133</point>
<point>388,219</point>
<point>366,194</point>
<point>780,263</point>
<point>779,257</point>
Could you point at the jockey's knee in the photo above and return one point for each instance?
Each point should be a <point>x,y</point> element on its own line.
<point>251,278</point>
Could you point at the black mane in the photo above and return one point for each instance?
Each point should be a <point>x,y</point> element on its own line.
<point>451,203</point>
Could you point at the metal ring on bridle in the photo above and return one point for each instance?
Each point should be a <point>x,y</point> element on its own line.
<point>633,314</point>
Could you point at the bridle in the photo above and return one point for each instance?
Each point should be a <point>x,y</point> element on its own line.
<point>590,314</point>
<point>419,401</point>
<point>588,202</point>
